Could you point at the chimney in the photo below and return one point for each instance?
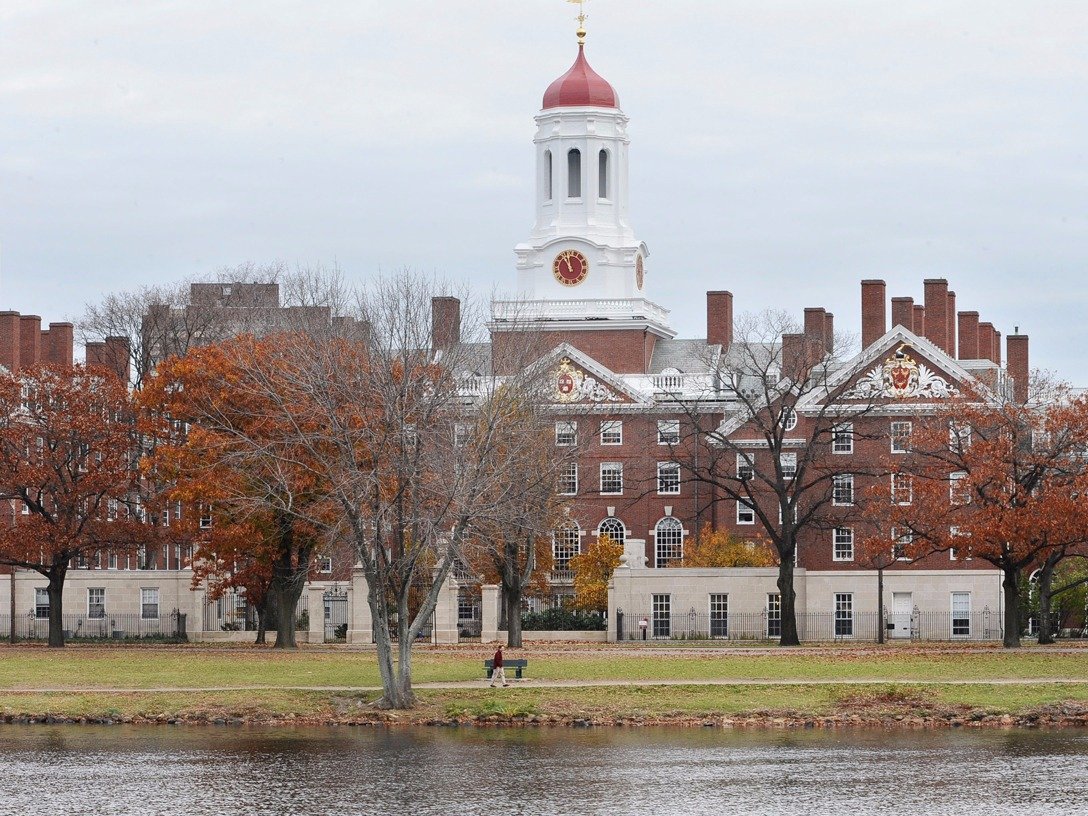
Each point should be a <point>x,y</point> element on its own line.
<point>951,324</point>
<point>997,347</point>
<point>800,352</point>
<point>117,358</point>
<point>919,320</point>
<point>986,342</point>
<point>874,316</point>
<point>816,325</point>
<point>903,312</point>
<point>61,338</point>
<point>30,340</point>
<point>1016,351</point>
<point>719,319</point>
<point>829,333</point>
<point>936,294</point>
<point>445,322</point>
<point>10,340</point>
<point>94,353</point>
<point>968,331</point>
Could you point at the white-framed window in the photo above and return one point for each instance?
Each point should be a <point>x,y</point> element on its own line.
<point>111,561</point>
<point>602,174</point>
<point>611,478</point>
<point>746,514</point>
<point>566,432</point>
<point>611,432</point>
<point>205,516</point>
<point>842,438</point>
<point>661,609</point>
<point>566,543</point>
<point>668,542</point>
<point>902,488</point>
<point>149,603</point>
<point>668,478</point>
<point>957,488</point>
<point>788,463</point>
<point>324,564</point>
<point>613,528</point>
<point>844,544</point>
<point>574,173</point>
<point>41,603</point>
<point>24,510</point>
<point>719,615</point>
<point>900,436</point>
<point>177,511</point>
<point>961,614</point>
<point>842,489</point>
<point>568,479</point>
<point>461,432</point>
<point>164,517</point>
<point>774,615</point>
<point>954,552</point>
<point>959,436</point>
<point>902,539</point>
<point>745,467</point>
<point>789,419</point>
<point>96,602</point>
<point>844,614</point>
<point>668,431</point>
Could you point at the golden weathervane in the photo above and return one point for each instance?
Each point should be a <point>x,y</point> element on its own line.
<point>582,17</point>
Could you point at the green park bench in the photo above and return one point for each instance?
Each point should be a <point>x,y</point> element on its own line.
<point>517,665</point>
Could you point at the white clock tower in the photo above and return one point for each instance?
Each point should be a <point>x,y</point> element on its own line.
<point>582,266</point>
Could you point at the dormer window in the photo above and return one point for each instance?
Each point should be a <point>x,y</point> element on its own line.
<point>602,174</point>
<point>574,173</point>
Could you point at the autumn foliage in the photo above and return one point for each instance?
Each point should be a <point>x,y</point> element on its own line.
<point>717,548</point>
<point>592,571</point>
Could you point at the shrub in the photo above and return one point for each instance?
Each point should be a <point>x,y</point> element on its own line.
<point>562,620</point>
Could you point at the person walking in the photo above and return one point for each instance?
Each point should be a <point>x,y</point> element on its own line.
<point>497,670</point>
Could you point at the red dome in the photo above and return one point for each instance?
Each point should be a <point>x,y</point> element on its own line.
<point>581,86</point>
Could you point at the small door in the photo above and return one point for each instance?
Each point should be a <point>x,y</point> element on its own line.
<point>902,605</point>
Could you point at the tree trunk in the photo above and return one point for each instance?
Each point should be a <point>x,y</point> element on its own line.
<point>512,606</point>
<point>262,618</point>
<point>396,678</point>
<point>286,594</point>
<point>881,628</point>
<point>56,608</point>
<point>1010,583</point>
<point>1046,594</point>
<point>788,603</point>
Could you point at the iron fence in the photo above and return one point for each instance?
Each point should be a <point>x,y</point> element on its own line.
<point>811,626</point>
<point>336,616</point>
<point>231,612</point>
<point>129,626</point>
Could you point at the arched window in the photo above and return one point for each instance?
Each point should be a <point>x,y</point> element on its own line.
<point>574,173</point>
<point>566,543</point>
<point>668,542</point>
<point>613,528</point>
<point>547,175</point>
<point>602,174</point>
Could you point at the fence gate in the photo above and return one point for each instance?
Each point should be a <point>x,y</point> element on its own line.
<point>336,615</point>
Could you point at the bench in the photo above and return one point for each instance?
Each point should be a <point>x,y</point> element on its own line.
<point>516,665</point>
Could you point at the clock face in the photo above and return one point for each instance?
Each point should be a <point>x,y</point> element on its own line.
<point>640,273</point>
<point>570,267</point>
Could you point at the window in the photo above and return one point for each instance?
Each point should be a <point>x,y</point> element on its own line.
<point>788,463</point>
<point>568,480</point>
<point>844,614</point>
<point>574,173</point>
<point>902,488</point>
<point>959,436</point>
<point>111,562</point>
<point>461,432</point>
<point>662,615</point>
<point>668,478</point>
<point>668,431</point>
<point>41,603</point>
<point>961,614</point>
<point>842,438</point>
<point>566,433</point>
<point>164,517</point>
<point>745,468</point>
<point>746,514</point>
<point>842,489</point>
<point>547,175</point>
<point>566,543</point>
<point>789,419</point>
<point>324,564</point>
<point>954,552</point>
<point>668,542</point>
<point>611,478</point>
<point>96,602</point>
<point>844,543</point>
<point>614,529</point>
<point>205,516</point>
<point>149,603</point>
<point>900,435</point>
<point>177,511</point>
<point>774,615</point>
<point>602,174</point>
<point>901,540</point>
<point>611,432</point>
<point>958,491</point>
<point>719,616</point>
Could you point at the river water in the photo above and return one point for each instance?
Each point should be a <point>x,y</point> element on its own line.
<point>225,771</point>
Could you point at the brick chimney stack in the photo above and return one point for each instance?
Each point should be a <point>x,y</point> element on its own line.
<point>445,322</point>
<point>936,300</point>
<point>952,350</point>
<point>903,312</point>
<point>10,341</point>
<point>986,341</point>
<point>997,347</point>
<point>30,340</point>
<point>874,314</point>
<point>719,319</point>
<point>1016,351</point>
<point>919,320</point>
<point>968,331</point>
<point>816,325</point>
<point>829,332</point>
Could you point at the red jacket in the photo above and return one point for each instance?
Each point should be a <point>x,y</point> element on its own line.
<point>496,663</point>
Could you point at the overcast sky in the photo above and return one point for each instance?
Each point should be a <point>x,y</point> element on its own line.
<point>782,150</point>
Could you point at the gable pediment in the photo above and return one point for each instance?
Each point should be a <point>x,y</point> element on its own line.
<point>574,378</point>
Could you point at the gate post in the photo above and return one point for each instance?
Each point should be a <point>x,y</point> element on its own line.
<point>316,607</point>
<point>490,595</point>
<point>360,623</point>
<point>445,613</point>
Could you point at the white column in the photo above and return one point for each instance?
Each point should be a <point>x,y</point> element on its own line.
<point>445,613</point>
<point>490,612</point>
<point>316,607</point>
<point>360,625</point>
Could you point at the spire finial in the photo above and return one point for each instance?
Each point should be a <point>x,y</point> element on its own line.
<point>582,17</point>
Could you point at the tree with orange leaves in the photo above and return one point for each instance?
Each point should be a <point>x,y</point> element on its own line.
<point>717,548</point>
<point>986,476</point>
<point>593,570</point>
<point>67,443</point>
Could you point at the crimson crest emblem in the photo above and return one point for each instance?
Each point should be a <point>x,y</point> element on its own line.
<point>901,374</point>
<point>569,382</point>
<point>564,383</point>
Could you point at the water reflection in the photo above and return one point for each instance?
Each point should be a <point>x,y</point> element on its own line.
<point>222,771</point>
